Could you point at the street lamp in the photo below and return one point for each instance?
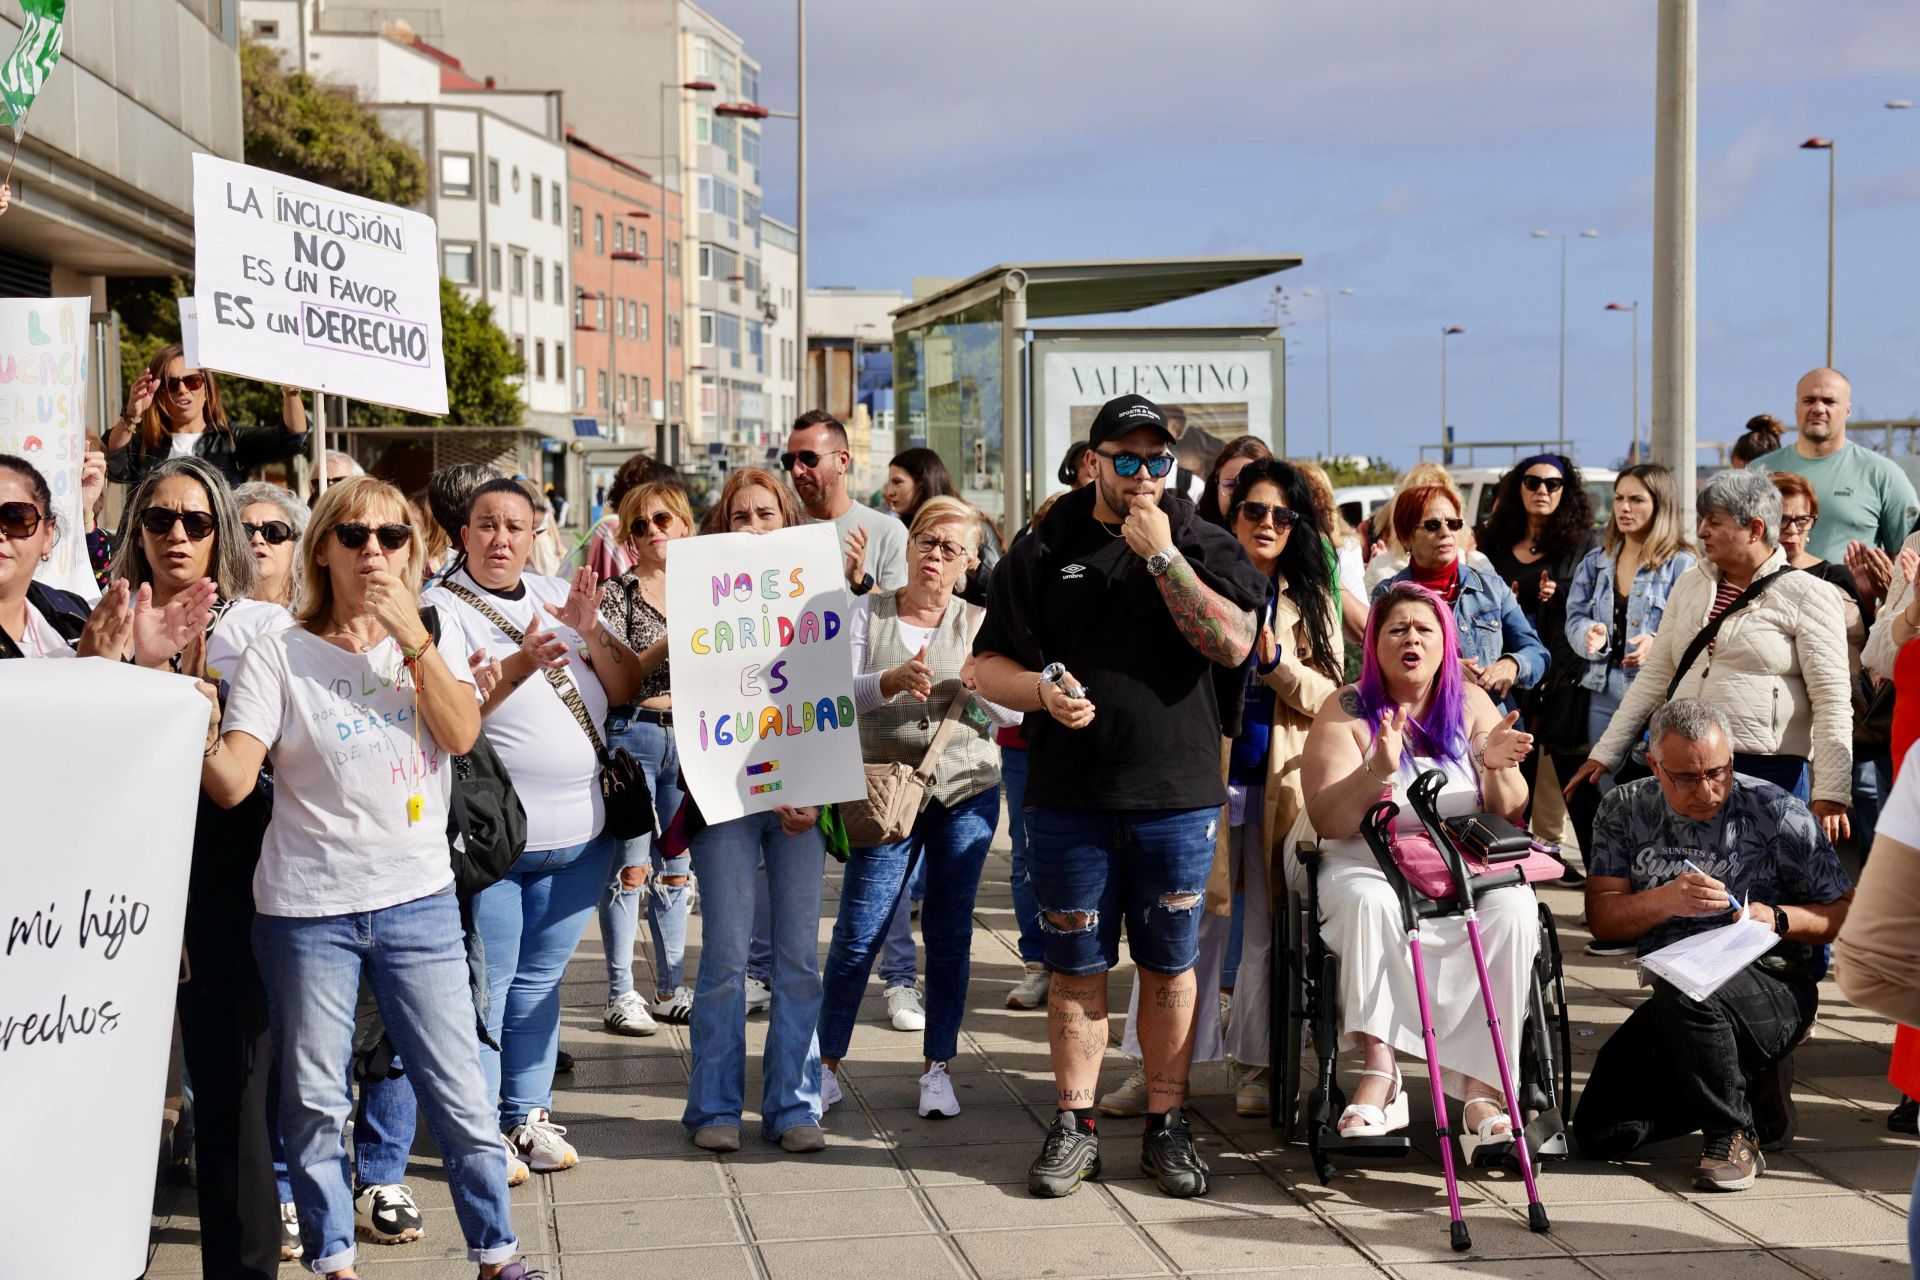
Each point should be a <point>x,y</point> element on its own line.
<point>1826,145</point>
<point>1899,104</point>
<point>664,447</point>
<point>1329,294</point>
<point>1634,308</point>
<point>1563,237</point>
<point>1446,331</point>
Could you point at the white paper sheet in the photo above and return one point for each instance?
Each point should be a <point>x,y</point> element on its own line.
<point>1701,963</point>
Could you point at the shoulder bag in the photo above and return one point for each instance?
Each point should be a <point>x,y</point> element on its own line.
<point>623,787</point>
<point>486,823</point>
<point>895,793</point>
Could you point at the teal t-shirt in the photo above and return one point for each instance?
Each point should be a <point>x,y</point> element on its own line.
<point>1863,498</point>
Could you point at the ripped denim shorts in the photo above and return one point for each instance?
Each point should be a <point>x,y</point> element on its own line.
<point>1091,870</point>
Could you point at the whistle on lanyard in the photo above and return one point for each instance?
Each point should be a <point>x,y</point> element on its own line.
<point>416,807</point>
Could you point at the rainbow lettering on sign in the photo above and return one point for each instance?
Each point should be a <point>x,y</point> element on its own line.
<point>767,766</point>
<point>763,788</point>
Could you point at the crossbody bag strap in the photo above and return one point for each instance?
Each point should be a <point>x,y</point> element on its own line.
<point>555,676</point>
<point>1705,636</point>
<point>945,731</point>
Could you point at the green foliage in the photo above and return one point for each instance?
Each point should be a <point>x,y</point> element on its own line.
<point>1351,470</point>
<point>480,364</point>
<point>296,125</point>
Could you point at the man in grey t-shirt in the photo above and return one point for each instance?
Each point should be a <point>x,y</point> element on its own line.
<point>817,459</point>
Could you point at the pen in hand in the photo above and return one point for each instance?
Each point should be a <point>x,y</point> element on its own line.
<point>1688,864</point>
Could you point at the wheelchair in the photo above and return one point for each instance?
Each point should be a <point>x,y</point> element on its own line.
<point>1305,1009</point>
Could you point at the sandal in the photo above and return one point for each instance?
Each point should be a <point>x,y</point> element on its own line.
<point>1376,1122</point>
<point>1483,1147</point>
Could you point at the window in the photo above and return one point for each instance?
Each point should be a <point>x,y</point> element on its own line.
<point>519,277</point>
<point>556,214</point>
<point>602,377</point>
<point>673,330</point>
<point>520,353</point>
<point>493,182</point>
<point>600,312</point>
<point>540,359</point>
<point>539,280</point>
<point>749,84</point>
<point>265,30</point>
<point>456,262</point>
<point>673,257</point>
<point>456,175</point>
<point>706,262</point>
<point>539,199</point>
<point>750,150</point>
<point>643,247</point>
<point>752,217</point>
<point>579,222</point>
<point>706,328</point>
<point>619,318</point>
<point>559,360</point>
<point>676,398</point>
<point>494,274</point>
<point>755,345</point>
<point>599,234</point>
<point>752,272</point>
<point>646,322</point>
<point>579,387</point>
<point>559,283</point>
<point>646,395</point>
<point>579,310</point>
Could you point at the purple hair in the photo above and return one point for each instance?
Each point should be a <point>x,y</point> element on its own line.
<point>1444,731</point>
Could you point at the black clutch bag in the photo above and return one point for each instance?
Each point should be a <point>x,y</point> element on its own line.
<point>1489,837</point>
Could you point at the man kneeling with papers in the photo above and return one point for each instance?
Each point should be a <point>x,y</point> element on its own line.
<point>1695,848</point>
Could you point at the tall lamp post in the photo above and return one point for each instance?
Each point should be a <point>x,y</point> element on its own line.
<point>1446,331</point>
<point>1634,308</point>
<point>1826,145</point>
<point>1330,295</point>
<point>665,445</point>
<point>1563,237</point>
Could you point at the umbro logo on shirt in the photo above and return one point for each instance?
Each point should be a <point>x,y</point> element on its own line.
<point>1073,573</point>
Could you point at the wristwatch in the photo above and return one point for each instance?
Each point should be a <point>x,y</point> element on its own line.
<point>1780,921</point>
<point>1054,674</point>
<point>863,586</point>
<point>1161,561</point>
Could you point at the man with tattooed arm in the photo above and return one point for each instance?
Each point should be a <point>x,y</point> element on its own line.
<point>1122,627</point>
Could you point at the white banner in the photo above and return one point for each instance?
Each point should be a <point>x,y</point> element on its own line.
<point>302,285</point>
<point>762,671</point>
<point>93,899</point>
<point>43,418</point>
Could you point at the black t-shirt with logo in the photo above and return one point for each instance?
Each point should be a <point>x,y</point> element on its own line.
<point>1077,594</point>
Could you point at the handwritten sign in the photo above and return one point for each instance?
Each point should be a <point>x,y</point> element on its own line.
<point>92,952</point>
<point>302,285</point>
<point>43,417</point>
<point>762,671</point>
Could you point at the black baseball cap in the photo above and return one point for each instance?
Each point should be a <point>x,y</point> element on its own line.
<point>1123,414</point>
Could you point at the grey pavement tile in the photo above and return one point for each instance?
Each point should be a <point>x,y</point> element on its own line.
<point>1670,1225</point>
<point>908,1128</point>
<point>1247,1196</point>
<point>592,1228</point>
<point>1748,1265</point>
<point>1833,1056</point>
<point>715,1262</point>
<point>1356,1271</point>
<point>974,1089</point>
<point>1220,1244</point>
<point>983,1207</point>
<point>981,1162</point>
<point>626,1072</point>
<point>1058,1252</point>
<point>1397,1238</point>
<point>1577,1182</point>
<point>1814,1220</point>
<point>1496,1269</point>
<point>1883,1262</point>
<point>1873,1091</point>
<point>835,1215</point>
<point>760,1168</point>
<point>1888,1171</point>
<point>922,1257</point>
<point>640,1178</point>
<point>375,1267</point>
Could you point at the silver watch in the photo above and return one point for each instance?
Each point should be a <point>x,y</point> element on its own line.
<point>1161,561</point>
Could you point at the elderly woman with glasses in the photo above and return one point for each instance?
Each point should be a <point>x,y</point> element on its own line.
<point>175,412</point>
<point>1776,664</point>
<point>274,521</point>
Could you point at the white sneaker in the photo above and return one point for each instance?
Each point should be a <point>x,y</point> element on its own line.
<point>290,1248</point>
<point>628,1016</point>
<point>517,1171</point>
<point>676,1008</point>
<point>1130,1099</point>
<point>387,1215</point>
<point>829,1088</point>
<point>904,1009</point>
<point>1599,948</point>
<point>542,1143</point>
<point>759,995</point>
<point>1031,991</point>
<point>936,1092</point>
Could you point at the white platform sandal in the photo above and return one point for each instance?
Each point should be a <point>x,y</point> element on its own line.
<point>1376,1122</point>
<point>1483,1147</point>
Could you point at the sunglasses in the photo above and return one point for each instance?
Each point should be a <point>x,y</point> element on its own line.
<point>930,545</point>
<point>354,536</point>
<point>1454,525</point>
<point>19,519</point>
<point>274,531</point>
<point>191,381</point>
<point>1535,484</point>
<point>159,522</point>
<point>1257,512</point>
<point>802,458</point>
<point>1127,465</point>
<point>662,520</point>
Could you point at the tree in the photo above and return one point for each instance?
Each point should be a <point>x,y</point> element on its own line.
<point>1354,470</point>
<point>296,125</point>
<point>481,364</point>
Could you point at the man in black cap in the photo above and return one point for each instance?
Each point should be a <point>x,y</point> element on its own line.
<point>1121,626</point>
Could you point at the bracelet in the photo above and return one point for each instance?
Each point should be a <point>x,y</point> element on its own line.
<point>212,751</point>
<point>1366,762</point>
<point>409,657</point>
<point>1040,690</point>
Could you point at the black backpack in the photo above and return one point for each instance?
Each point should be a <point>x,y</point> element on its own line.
<point>486,823</point>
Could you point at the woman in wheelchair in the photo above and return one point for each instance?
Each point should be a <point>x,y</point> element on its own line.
<point>1412,711</point>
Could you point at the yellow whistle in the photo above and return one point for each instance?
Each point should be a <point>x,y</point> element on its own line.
<point>416,805</point>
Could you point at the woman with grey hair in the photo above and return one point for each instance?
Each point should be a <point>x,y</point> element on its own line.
<point>274,522</point>
<point>1767,645</point>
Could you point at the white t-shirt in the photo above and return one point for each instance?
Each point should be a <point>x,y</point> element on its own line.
<point>40,640</point>
<point>184,444</point>
<point>241,624</point>
<point>554,768</point>
<point>1900,811</point>
<point>339,729</point>
<point>1353,571</point>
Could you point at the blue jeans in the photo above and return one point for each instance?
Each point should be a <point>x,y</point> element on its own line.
<point>726,858</point>
<point>899,967</point>
<point>1026,909</point>
<point>952,844</point>
<point>1147,868</point>
<point>667,906</point>
<point>1789,773</point>
<point>415,958</point>
<point>384,1120</point>
<point>760,949</point>
<point>530,922</point>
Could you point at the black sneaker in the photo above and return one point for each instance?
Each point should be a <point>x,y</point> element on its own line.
<point>1775,1118</point>
<point>1168,1156</point>
<point>1905,1117</point>
<point>1071,1155</point>
<point>562,1062</point>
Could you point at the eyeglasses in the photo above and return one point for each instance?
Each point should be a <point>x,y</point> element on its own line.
<point>662,520</point>
<point>1535,484</point>
<point>354,536</point>
<point>159,522</point>
<point>1257,512</point>
<point>1691,781</point>
<point>19,519</point>
<point>1454,525</point>
<point>801,458</point>
<point>1797,522</point>
<point>191,381</point>
<point>274,531</point>
<point>1127,465</point>
<point>930,545</point>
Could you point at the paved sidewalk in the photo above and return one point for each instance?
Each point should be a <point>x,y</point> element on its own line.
<point>895,1195</point>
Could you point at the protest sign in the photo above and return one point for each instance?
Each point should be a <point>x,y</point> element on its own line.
<point>302,285</point>
<point>93,902</point>
<point>190,332</point>
<point>762,671</point>
<point>43,418</point>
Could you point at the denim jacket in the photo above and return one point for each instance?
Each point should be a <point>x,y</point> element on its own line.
<point>1491,624</point>
<point>1590,601</point>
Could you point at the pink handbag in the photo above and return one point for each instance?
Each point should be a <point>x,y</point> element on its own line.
<point>1420,861</point>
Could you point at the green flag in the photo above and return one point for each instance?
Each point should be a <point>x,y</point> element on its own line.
<point>31,62</point>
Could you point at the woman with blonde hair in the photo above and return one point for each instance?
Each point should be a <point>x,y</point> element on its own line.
<point>1386,561</point>
<point>175,412</point>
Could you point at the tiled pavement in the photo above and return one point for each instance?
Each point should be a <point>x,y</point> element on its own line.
<point>896,1195</point>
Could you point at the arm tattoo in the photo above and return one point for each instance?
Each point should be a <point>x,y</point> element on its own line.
<point>607,642</point>
<point>1217,628</point>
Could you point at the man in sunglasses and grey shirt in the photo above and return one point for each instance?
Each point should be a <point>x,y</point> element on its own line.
<point>874,542</point>
<point>1122,626</point>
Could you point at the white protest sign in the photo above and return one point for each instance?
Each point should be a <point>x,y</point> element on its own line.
<point>43,418</point>
<point>190,333</point>
<point>302,285</point>
<point>762,671</point>
<point>93,901</point>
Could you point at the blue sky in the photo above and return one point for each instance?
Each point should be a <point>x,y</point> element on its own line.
<point>1406,150</point>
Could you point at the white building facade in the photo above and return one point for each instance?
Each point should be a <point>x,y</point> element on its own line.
<point>780,280</point>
